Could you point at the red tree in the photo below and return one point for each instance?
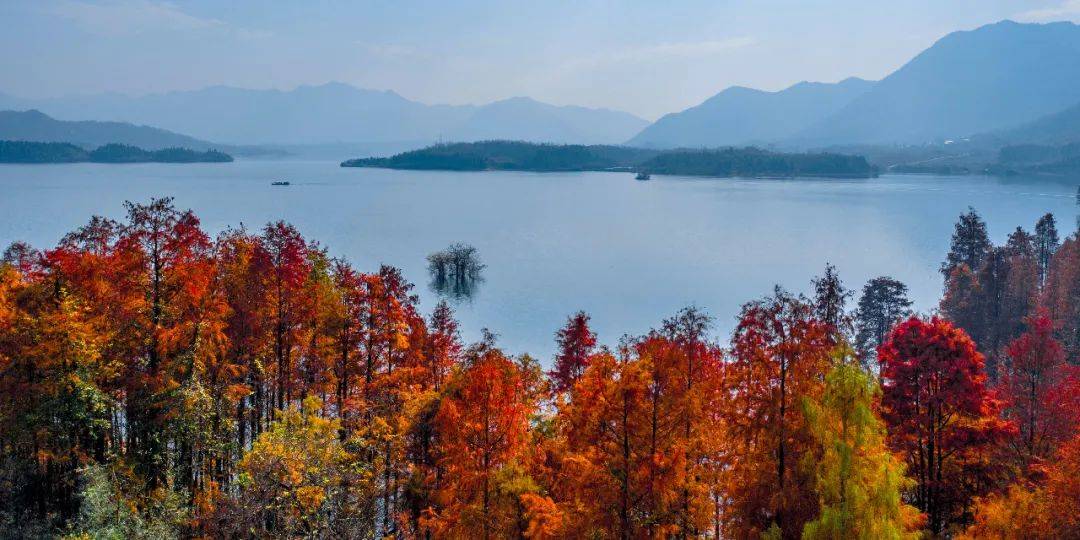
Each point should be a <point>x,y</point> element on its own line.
<point>444,345</point>
<point>1035,372</point>
<point>483,426</point>
<point>1061,296</point>
<point>940,414</point>
<point>284,252</point>
<point>780,355</point>
<point>576,344</point>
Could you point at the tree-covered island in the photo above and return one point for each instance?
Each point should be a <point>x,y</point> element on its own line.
<point>523,156</point>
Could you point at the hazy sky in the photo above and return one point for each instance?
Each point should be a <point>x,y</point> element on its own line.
<point>647,57</point>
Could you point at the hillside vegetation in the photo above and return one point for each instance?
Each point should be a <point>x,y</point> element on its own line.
<point>522,156</point>
<point>53,152</point>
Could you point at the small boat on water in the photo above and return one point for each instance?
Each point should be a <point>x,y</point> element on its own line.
<point>642,176</point>
<point>280,183</point>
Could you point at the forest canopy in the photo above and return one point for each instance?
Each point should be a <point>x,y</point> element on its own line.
<point>523,156</point>
<point>157,382</point>
<point>54,152</point>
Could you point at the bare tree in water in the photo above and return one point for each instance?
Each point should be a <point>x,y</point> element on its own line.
<point>456,271</point>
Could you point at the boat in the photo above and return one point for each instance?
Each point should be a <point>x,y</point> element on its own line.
<point>642,176</point>
<point>280,183</point>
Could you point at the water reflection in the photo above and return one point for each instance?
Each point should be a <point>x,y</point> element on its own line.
<point>456,272</point>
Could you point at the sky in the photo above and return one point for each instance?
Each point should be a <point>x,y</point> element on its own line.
<point>645,57</point>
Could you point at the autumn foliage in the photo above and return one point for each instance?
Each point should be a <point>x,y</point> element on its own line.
<point>158,382</point>
<point>941,415</point>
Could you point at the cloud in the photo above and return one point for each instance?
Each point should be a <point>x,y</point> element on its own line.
<point>1066,10</point>
<point>660,52</point>
<point>126,17</point>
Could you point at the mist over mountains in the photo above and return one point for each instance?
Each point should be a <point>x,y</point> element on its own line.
<point>968,82</point>
<point>740,115</point>
<point>1007,82</point>
<point>37,126</point>
<point>992,78</point>
<point>336,112</point>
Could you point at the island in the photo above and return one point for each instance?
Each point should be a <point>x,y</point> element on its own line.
<point>58,152</point>
<point>524,156</point>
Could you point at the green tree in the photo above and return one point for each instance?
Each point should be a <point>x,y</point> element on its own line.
<point>970,244</point>
<point>1046,243</point>
<point>113,510</point>
<point>858,479</point>
<point>884,302</point>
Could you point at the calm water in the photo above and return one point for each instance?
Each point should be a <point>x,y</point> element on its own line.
<point>627,252</point>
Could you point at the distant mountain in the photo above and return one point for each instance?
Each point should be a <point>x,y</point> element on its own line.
<point>1058,128</point>
<point>505,120</point>
<point>306,115</point>
<point>336,113</point>
<point>36,126</point>
<point>740,115</point>
<point>968,82</point>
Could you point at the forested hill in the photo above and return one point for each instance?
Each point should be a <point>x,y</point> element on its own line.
<point>752,161</point>
<point>522,156</point>
<point>511,156</point>
<point>34,125</point>
<point>54,152</point>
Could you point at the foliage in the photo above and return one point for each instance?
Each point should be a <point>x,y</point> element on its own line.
<point>884,302</point>
<point>155,382</point>
<point>858,480</point>
<point>54,152</point>
<point>991,289</point>
<point>523,156</point>
<point>510,155</point>
<point>830,301</point>
<point>754,162</point>
<point>970,244</point>
<point>1047,511</point>
<point>483,421</point>
<point>41,152</point>
<point>941,416</point>
<point>780,354</point>
<point>1036,385</point>
<point>300,479</point>
<point>110,512</point>
<point>576,343</point>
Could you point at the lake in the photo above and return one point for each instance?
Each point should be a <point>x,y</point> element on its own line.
<point>629,253</point>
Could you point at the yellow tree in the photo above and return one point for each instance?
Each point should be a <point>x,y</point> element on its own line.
<point>300,480</point>
<point>858,480</point>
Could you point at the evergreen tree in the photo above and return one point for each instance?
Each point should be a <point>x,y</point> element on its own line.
<point>830,298</point>
<point>883,303</point>
<point>970,243</point>
<point>1046,243</point>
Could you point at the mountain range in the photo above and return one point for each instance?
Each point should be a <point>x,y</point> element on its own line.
<point>990,78</point>
<point>993,78</point>
<point>1007,82</point>
<point>335,113</point>
<point>740,115</point>
<point>1058,128</point>
<point>34,125</point>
